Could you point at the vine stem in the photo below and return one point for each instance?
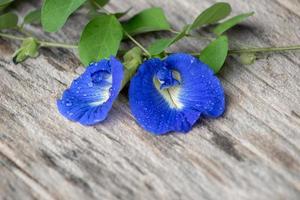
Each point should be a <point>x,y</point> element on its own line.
<point>264,49</point>
<point>256,50</point>
<point>137,44</point>
<point>56,44</point>
<point>192,36</point>
<point>230,52</point>
<point>4,35</point>
<point>40,42</point>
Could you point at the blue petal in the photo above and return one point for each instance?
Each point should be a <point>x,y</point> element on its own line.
<point>90,96</point>
<point>191,90</point>
<point>201,90</point>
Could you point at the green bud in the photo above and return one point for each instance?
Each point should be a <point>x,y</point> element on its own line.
<point>29,48</point>
<point>247,58</point>
<point>132,59</point>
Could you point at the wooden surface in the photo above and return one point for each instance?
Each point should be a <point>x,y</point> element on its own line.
<point>250,153</point>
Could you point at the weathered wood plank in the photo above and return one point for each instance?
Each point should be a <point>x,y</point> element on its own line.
<point>250,153</point>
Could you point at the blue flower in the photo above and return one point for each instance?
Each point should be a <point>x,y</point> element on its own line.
<point>90,97</point>
<point>171,94</point>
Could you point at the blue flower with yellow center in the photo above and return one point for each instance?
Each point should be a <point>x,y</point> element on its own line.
<point>90,97</point>
<point>172,94</point>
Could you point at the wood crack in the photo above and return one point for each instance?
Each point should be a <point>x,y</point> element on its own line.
<point>23,175</point>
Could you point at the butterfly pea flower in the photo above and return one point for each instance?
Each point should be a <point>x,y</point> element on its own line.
<point>172,94</point>
<point>91,95</point>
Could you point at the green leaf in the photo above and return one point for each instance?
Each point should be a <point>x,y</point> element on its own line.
<point>247,58</point>
<point>152,19</point>
<point>100,39</point>
<point>101,2</point>
<point>212,15</point>
<point>224,26</point>
<point>33,17</point>
<point>8,20</point>
<point>56,12</point>
<point>4,4</point>
<point>132,59</point>
<point>29,48</point>
<point>214,55</point>
<point>160,45</point>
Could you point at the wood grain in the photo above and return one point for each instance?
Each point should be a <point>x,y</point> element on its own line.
<point>252,152</point>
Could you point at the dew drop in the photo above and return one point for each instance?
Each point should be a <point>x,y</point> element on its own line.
<point>68,104</point>
<point>90,84</point>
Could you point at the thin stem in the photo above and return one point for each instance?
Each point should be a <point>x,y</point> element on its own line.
<point>138,44</point>
<point>42,43</point>
<point>11,37</point>
<point>264,49</point>
<point>254,50</point>
<point>192,36</point>
<point>56,44</point>
<point>100,7</point>
<point>174,31</point>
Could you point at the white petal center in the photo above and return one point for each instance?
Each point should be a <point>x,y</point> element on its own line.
<point>171,95</point>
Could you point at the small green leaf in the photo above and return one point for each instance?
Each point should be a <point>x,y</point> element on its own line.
<point>247,58</point>
<point>29,48</point>
<point>224,26</point>
<point>56,12</point>
<point>101,2</point>
<point>4,4</point>
<point>160,45</point>
<point>100,39</point>
<point>132,59</point>
<point>152,19</point>
<point>212,15</point>
<point>33,17</point>
<point>214,55</point>
<point>8,20</point>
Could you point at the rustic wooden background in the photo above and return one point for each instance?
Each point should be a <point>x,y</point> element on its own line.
<point>251,153</point>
